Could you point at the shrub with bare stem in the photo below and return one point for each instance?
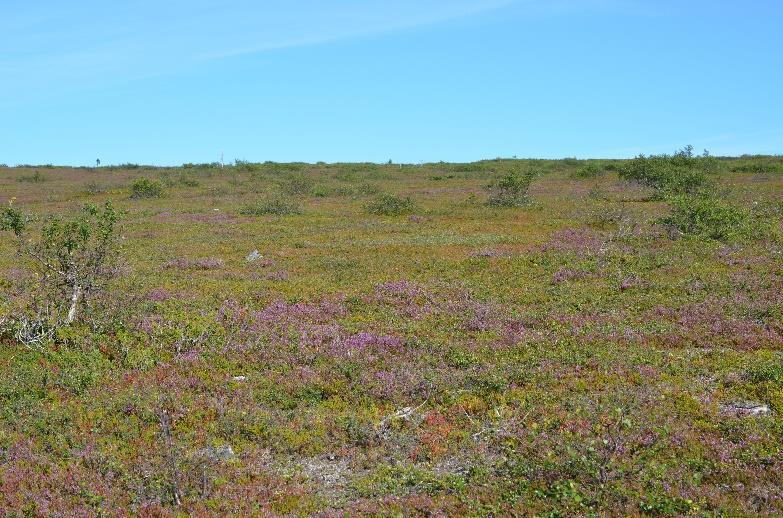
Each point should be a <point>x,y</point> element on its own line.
<point>71,258</point>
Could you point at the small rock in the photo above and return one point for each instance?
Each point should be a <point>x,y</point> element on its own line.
<point>255,255</point>
<point>745,408</point>
<point>239,378</point>
<point>328,473</point>
<point>217,454</point>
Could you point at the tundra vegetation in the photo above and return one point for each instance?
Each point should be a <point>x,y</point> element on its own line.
<point>506,337</point>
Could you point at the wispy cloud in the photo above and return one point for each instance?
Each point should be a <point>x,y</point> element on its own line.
<point>369,23</point>
<point>95,45</point>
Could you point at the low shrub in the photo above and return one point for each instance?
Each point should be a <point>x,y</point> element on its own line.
<point>146,188</point>
<point>167,180</point>
<point>322,191</point>
<point>589,171</point>
<point>769,370</point>
<point>36,177</point>
<point>390,205</point>
<point>755,168</point>
<point>297,185</point>
<point>511,190</point>
<point>72,257</point>
<point>680,173</point>
<point>210,165</point>
<point>707,216</point>
<point>367,189</point>
<point>187,181</point>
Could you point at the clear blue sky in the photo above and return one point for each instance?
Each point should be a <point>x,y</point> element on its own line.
<point>167,82</point>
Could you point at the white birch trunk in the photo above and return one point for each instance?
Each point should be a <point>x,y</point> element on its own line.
<point>77,292</point>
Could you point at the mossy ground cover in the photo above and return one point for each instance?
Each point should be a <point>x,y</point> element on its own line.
<point>571,356</point>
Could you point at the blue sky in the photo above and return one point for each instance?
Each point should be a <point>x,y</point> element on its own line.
<point>167,82</point>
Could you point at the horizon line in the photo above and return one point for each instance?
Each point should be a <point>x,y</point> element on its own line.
<point>237,163</point>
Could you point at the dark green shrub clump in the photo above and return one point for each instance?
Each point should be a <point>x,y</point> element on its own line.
<point>707,216</point>
<point>146,188</point>
<point>36,177</point>
<point>589,171</point>
<point>211,165</point>
<point>511,190</point>
<point>297,185</point>
<point>390,205</point>
<point>274,206</point>
<point>664,174</point>
<point>770,370</point>
<point>188,181</point>
<point>680,173</point>
<point>755,168</point>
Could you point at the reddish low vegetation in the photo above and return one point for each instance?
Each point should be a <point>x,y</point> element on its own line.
<point>551,338</point>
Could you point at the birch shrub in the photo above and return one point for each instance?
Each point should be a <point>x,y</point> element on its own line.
<point>71,259</point>
<point>511,190</point>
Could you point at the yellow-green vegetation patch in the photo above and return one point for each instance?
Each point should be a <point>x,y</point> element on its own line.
<point>507,337</point>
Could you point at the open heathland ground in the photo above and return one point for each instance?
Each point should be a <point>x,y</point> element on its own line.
<point>529,337</point>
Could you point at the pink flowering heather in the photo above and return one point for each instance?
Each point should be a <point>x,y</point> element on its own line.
<point>408,298</point>
<point>400,288</point>
<point>516,330</point>
<point>632,281</point>
<point>279,275</point>
<point>149,323</point>
<point>716,322</point>
<point>282,323</point>
<point>159,295</point>
<point>579,241</point>
<point>568,274</point>
<point>359,343</point>
<point>476,315</point>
